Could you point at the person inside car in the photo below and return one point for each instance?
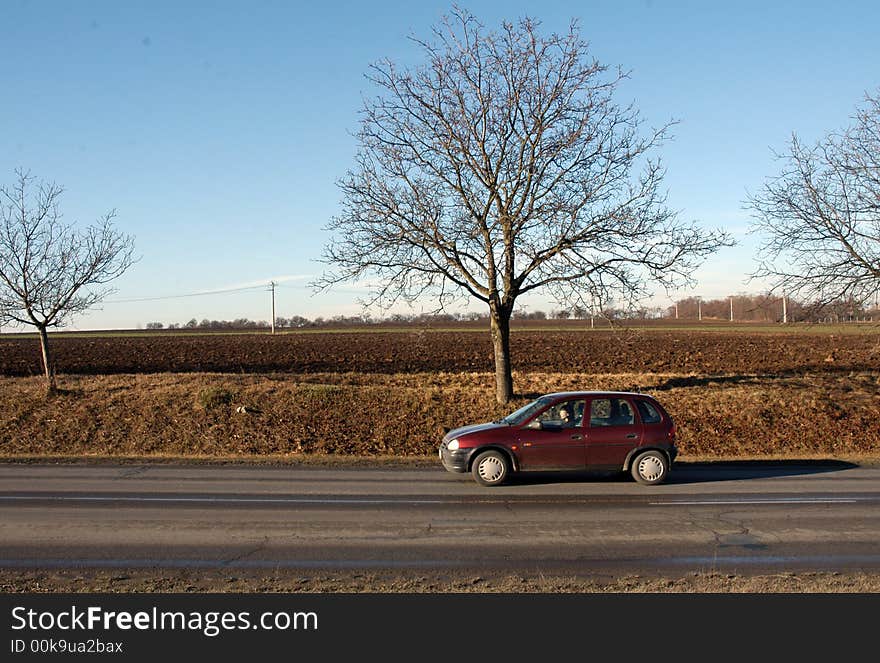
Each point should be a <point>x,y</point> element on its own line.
<point>565,417</point>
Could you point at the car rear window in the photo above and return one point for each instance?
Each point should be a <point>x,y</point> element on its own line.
<point>610,412</point>
<point>648,413</point>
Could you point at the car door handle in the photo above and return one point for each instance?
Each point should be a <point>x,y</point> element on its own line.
<point>577,437</point>
<point>631,436</point>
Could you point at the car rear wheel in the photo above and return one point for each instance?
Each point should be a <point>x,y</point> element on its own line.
<point>650,468</point>
<point>490,468</point>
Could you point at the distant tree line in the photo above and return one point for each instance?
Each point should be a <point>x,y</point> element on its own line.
<point>746,308</point>
<point>300,322</point>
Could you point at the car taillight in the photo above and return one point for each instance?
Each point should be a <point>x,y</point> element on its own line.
<point>672,431</point>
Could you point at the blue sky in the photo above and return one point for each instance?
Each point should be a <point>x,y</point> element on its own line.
<point>218,130</point>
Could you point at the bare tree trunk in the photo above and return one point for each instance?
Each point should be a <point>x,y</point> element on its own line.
<point>500,326</point>
<point>47,363</point>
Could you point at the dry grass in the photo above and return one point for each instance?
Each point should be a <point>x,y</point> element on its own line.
<point>289,417</point>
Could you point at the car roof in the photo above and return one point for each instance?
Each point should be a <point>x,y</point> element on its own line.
<point>575,394</point>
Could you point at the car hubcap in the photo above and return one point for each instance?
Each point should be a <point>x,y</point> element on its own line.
<point>650,468</point>
<point>491,469</point>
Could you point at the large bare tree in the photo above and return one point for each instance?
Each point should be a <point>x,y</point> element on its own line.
<point>501,166</point>
<point>820,216</point>
<point>50,270</point>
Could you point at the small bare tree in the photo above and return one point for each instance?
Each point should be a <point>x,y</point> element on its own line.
<point>820,217</point>
<point>49,270</point>
<point>502,166</point>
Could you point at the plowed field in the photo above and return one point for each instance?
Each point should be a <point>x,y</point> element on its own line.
<point>648,351</point>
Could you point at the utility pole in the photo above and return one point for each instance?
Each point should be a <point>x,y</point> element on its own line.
<point>731,308</point>
<point>272,288</point>
<point>784,310</point>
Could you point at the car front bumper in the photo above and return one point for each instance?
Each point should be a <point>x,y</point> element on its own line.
<point>455,461</point>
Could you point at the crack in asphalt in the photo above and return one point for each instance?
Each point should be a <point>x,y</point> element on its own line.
<point>132,472</point>
<point>248,553</point>
<point>740,537</point>
<point>743,538</point>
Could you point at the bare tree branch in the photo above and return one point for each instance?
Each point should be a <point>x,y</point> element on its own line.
<point>50,271</point>
<point>503,165</point>
<point>820,216</point>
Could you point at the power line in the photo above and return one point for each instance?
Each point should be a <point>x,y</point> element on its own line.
<point>225,291</point>
<point>192,294</point>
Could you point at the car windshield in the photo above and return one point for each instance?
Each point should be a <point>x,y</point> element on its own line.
<point>526,411</point>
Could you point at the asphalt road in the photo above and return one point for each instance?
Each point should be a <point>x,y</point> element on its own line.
<point>749,517</point>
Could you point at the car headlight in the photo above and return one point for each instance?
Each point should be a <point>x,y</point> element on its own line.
<point>452,445</point>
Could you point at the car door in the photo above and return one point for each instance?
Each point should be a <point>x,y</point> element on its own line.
<point>613,429</point>
<point>556,445</point>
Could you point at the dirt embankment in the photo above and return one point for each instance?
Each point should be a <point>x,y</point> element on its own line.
<point>286,415</point>
<point>389,582</point>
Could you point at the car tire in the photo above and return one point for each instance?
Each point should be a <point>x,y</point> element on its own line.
<point>490,468</point>
<point>650,468</point>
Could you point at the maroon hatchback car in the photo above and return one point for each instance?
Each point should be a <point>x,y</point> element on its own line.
<point>583,430</point>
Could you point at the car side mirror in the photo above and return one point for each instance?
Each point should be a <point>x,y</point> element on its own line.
<point>535,425</point>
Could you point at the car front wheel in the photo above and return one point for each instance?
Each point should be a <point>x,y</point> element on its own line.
<point>650,468</point>
<point>490,468</point>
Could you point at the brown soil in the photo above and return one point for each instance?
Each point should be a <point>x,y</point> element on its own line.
<point>372,581</point>
<point>626,351</point>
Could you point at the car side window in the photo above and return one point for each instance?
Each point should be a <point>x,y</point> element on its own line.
<point>648,413</point>
<point>566,414</point>
<point>611,412</point>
